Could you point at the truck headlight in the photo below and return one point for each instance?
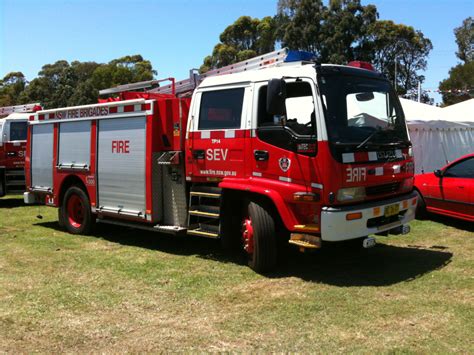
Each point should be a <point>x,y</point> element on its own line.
<point>351,194</point>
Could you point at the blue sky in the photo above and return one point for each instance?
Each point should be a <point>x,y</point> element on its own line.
<point>176,35</point>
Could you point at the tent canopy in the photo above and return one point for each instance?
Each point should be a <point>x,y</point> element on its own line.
<point>439,135</point>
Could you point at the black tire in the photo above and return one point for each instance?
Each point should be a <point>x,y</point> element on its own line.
<point>420,206</point>
<point>73,221</point>
<point>264,254</point>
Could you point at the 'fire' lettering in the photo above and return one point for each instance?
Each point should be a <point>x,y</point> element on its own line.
<point>121,147</point>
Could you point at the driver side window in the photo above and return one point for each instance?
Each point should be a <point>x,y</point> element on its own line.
<point>463,169</point>
<point>300,109</point>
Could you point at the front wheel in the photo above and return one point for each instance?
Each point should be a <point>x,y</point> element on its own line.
<point>75,212</point>
<point>258,237</point>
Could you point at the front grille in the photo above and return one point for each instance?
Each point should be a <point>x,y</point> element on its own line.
<point>382,189</point>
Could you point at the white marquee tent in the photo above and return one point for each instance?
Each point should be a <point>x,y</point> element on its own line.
<point>439,135</point>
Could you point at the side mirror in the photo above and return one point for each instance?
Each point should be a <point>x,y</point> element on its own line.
<point>276,96</point>
<point>365,96</point>
<point>438,173</point>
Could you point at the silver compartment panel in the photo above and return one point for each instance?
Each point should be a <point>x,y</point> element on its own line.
<point>121,176</point>
<point>74,143</point>
<point>42,156</point>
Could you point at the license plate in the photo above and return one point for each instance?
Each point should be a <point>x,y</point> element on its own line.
<point>391,210</point>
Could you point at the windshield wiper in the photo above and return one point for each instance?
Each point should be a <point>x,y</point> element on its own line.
<point>369,137</point>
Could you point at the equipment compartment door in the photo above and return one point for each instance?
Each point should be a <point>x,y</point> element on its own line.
<point>74,144</point>
<point>121,165</point>
<point>42,156</point>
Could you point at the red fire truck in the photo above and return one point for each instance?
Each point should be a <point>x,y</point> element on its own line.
<point>272,151</point>
<point>13,129</point>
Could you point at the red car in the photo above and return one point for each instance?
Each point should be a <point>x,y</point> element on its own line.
<point>449,191</point>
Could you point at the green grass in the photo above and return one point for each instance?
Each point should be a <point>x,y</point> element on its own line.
<point>127,290</point>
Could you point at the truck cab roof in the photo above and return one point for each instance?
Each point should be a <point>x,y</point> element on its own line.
<point>289,69</point>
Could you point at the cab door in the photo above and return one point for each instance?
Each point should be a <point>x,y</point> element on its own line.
<point>455,188</point>
<point>216,141</point>
<point>14,138</point>
<point>283,147</point>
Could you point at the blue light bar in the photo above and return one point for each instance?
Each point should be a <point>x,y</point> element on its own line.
<point>297,56</point>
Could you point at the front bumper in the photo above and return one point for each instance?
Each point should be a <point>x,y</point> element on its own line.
<point>335,226</point>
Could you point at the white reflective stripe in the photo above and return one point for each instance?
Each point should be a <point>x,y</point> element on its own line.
<point>396,169</point>
<point>316,186</point>
<point>188,178</point>
<point>253,133</point>
<point>372,156</point>
<point>205,134</point>
<point>119,109</point>
<point>348,157</point>
<point>137,108</point>
<point>379,171</point>
<point>255,173</point>
<point>284,178</point>
<point>229,134</point>
<point>150,111</point>
<point>16,144</point>
<point>398,153</point>
<point>1,144</point>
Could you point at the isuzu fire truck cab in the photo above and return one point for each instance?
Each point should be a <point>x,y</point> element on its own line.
<point>13,132</point>
<point>271,151</point>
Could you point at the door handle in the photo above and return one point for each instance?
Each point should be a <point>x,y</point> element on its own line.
<point>198,154</point>
<point>260,155</point>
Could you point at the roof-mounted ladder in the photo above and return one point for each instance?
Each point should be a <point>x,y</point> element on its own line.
<point>183,86</point>
<point>5,111</point>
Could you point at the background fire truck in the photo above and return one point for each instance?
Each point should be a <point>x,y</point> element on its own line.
<point>13,130</point>
<point>272,151</point>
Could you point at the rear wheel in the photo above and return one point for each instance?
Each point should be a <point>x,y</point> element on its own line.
<point>75,212</point>
<point>258,237</point>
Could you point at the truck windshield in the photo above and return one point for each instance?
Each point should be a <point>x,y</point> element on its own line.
<point>361,110</point>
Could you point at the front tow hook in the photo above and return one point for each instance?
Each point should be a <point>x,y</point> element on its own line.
<point>369,242</point>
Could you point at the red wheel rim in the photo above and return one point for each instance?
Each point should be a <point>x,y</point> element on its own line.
<point>247,235</point>
<point>75,211</point>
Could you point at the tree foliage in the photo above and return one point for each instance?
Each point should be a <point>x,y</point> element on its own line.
<point>336,33</point>
<point>465,40</point>
<point>11,87</point>
<point>67,84</point>
<point>341,31</point>
<point>393,45</point>
<point>460,84</point>
<point>246,38</point>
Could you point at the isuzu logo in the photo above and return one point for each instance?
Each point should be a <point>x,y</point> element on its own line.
<point>386,154</point>
<point>284,163</point>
